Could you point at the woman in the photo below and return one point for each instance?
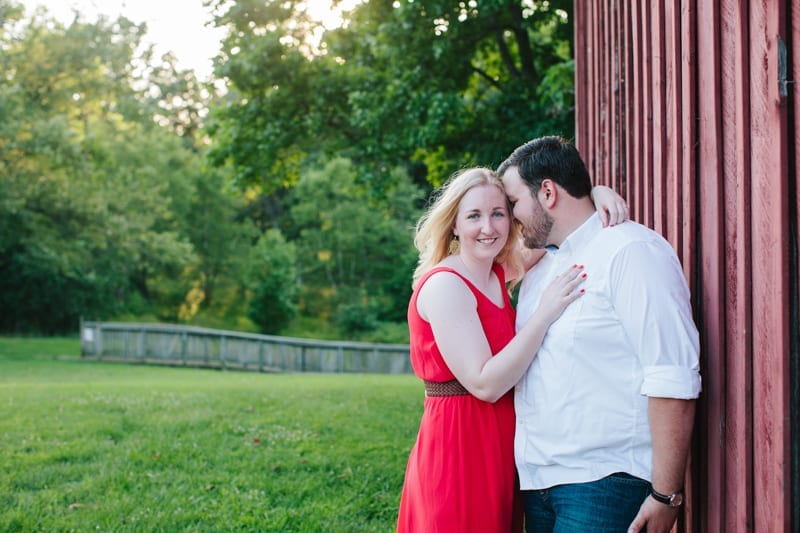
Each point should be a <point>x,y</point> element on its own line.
<point>461,475</point>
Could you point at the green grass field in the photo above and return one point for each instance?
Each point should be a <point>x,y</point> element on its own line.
<point>92,446</point>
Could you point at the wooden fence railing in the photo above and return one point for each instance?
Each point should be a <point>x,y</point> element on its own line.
<point>201,347</point>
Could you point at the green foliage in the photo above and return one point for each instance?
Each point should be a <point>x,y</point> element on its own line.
<point>221,238</point>
<point>348,243</point>
<point>357,317</point>
<point>387,332</point>
<point>135,191</point>
<point>120,447</point>
<point>312,327</point>
<point>107,196</point>
<point>404,82</point>
<point>273,283</point>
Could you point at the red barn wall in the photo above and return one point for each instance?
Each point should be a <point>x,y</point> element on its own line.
<point>688,108</point>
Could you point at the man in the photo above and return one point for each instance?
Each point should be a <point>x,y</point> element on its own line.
<point>605,411</point>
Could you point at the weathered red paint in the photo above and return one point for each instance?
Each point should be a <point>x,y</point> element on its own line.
<point>709,474</point>
<point>687,199</point>
<point>738,399</point>
<point>679,108</point>
<point>793,91</point>
<point>770,277</point>
<point>658,138</point>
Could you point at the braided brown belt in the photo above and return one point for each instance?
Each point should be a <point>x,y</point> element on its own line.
<point>445,388</point>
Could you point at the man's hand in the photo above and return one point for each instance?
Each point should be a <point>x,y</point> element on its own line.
<point>654,516</point>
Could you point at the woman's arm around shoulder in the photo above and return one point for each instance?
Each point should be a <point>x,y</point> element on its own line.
<point>611,207</point>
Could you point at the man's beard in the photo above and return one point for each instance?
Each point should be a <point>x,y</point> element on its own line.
<point>536,232</point>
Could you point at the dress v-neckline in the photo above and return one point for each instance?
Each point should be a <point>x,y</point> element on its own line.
<point>475,289</point>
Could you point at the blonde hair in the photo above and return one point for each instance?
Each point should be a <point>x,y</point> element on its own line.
<point>434,236</point>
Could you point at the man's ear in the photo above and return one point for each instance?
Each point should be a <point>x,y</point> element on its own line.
<point>548,193</point>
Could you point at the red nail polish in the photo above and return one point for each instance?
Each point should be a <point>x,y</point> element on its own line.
<point>583,290</point>
<point>583,275</point>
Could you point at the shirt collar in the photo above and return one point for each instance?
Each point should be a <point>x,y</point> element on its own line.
<point>580,236</point>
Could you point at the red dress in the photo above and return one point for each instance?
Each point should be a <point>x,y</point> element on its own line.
<point>461,475</point>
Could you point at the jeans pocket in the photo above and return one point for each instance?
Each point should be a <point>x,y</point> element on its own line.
<point>628,480</point>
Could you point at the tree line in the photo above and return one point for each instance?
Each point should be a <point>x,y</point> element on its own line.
<point>280,195</point>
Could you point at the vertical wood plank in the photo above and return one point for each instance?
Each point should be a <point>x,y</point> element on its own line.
<point>672,179</point>
<point>593,116</point>
<point>659,136</point>
<point>687,160</point>
<point>736,166</point>
<point>615,108</point>
<point>629,103</point>
<point>636,172</point>
<point>647,114</point>
<point>687,154</point>
<point>581,93</point>
<point>604,89</point>
<point>591,80</point>
<point>794,93</point>
<point>795,75</point>
<point>769,188</point>
<point>710,500</point>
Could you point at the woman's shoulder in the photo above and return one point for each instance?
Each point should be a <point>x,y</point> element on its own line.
<point>444,272</point>
<point>443,291</point>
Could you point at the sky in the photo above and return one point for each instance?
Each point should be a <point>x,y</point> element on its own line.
<point>179,26</point>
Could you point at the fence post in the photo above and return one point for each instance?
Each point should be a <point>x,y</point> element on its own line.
<point>222,348</point>
<point>80,326</point>
<point>140,347</point>
<point>184,341</point>
<point>99,341</point>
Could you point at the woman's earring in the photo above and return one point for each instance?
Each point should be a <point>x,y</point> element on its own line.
<point>454,245</point>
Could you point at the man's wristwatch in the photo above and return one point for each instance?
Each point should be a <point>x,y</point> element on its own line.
<point>673,500</point>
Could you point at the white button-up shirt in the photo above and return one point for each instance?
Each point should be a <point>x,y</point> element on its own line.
<point>582,405</point>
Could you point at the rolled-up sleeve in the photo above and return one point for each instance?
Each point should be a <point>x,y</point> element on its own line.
<point>652,300</point>
<point>671,382</point>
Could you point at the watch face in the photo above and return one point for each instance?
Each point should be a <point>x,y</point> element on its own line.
<point>673,500</point>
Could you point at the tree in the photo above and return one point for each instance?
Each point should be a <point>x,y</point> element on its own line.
<point>86,175</point>
<point>460,83</point>
<point>433,85</point>
<point>349,243</point>
<point>273,283</point>
<point>222,238</point>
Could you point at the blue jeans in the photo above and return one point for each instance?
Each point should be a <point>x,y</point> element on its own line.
<point>606,505</point>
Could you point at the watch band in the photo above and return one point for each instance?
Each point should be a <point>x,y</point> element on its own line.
<point>672,500</point>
